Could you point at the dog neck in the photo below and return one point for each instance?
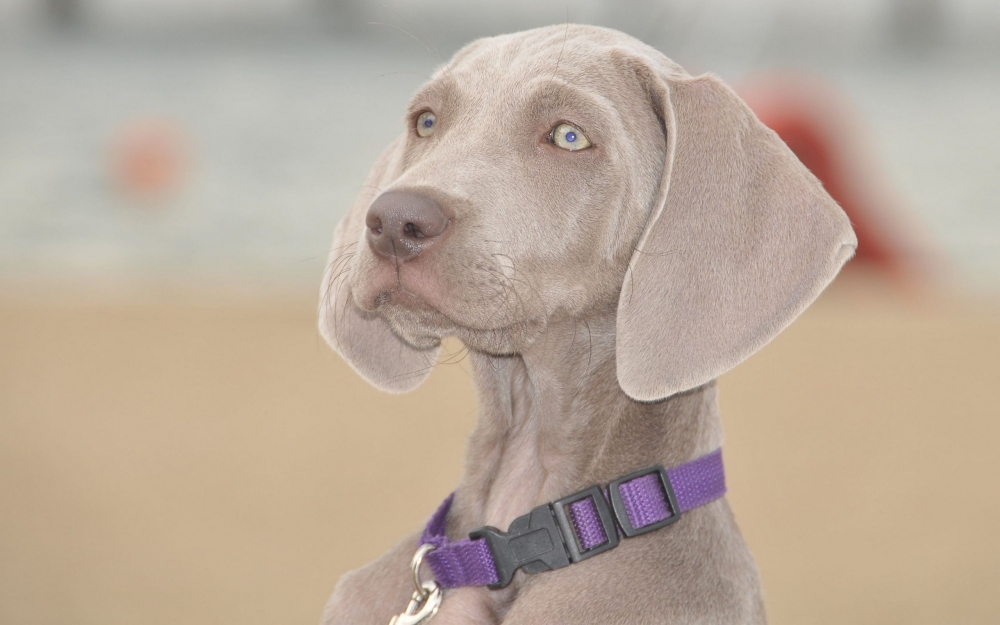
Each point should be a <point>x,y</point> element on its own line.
<point>553,420</point>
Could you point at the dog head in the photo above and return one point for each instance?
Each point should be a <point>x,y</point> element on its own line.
<point>571,171</point>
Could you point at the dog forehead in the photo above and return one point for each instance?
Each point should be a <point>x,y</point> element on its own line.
<point>504,74</point>
<point>551,51</point>
<point>511,67</point>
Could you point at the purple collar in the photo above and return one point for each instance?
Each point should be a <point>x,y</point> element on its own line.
<point>574,528</point>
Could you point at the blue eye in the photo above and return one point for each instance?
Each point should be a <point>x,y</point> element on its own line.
<point>425,124</point>
<point>569,137</point>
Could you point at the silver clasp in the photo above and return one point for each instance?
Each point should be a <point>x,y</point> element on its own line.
<point>423,605</point>
<point>426,599</point>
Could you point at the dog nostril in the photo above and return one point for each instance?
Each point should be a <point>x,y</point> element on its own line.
<point>412,230</point>
<point>376,226</point>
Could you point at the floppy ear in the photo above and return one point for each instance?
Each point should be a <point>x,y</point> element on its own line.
<point>740,241</point>
<point>363,339</point>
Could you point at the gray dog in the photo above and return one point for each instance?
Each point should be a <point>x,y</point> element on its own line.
<point>607,235</point>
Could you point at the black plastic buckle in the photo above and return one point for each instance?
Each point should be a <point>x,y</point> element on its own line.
<point>569,532</point>
<point>621,513</point>
<point>532,542</point>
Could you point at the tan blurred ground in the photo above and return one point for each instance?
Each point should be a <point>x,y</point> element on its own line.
<point>207,460</point>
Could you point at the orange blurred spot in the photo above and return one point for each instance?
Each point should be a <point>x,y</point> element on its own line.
<point>147,158</point>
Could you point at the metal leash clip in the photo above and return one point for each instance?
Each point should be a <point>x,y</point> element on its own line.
<point>426,598</point>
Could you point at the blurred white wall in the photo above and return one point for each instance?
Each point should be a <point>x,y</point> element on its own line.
<point>963,19</point>
<point>281,105</point>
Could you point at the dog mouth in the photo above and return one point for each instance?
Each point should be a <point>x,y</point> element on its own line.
<point>423,307</point>
<point>422,324</point>
<point>392,302</point>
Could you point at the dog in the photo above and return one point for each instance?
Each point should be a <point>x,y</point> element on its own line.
<point>606,234</point>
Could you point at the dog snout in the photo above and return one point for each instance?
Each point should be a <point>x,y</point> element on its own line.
<point>402,224</point>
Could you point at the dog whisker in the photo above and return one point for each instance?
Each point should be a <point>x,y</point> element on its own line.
<point>433,53</point>
<point>562,48</point>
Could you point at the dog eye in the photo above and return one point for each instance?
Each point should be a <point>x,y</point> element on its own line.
<point>568,137</point>
<point>425,124</point>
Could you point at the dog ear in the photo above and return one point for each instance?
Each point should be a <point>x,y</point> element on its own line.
<point>363,339</point>
<point>740,240</point>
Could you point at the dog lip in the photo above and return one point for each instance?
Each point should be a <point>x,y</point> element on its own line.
<point>411,301</point>
<point>404,298</point>
<point>413,288</point>
<point>401,296</point>
<point>392,295</point>
<point>410,285</point>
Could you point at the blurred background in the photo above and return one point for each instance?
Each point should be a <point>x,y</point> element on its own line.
<point>177,444</point>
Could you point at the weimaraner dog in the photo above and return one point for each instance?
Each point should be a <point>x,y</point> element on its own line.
<point>607,235</point>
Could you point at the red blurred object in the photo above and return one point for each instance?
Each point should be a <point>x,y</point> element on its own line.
<point>147,159</point>
<point>824,132</point>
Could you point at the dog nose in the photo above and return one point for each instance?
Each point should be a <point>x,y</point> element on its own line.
<point>402,224</point>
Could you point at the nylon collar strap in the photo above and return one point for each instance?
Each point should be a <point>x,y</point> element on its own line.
<point>574,528</point>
